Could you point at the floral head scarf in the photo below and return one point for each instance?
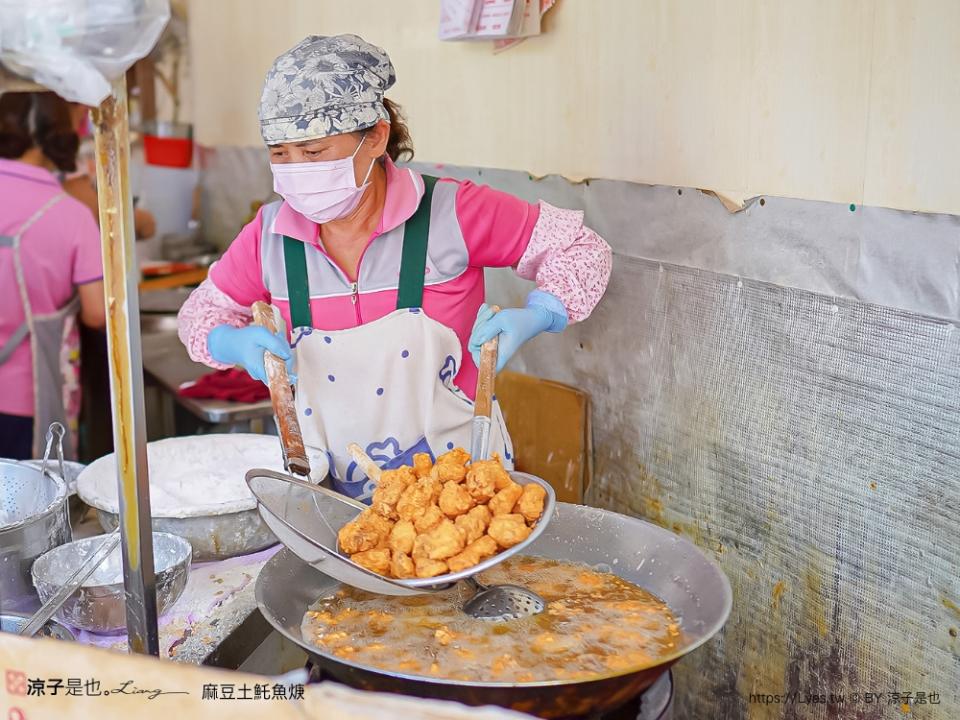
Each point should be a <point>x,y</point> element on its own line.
<point>325,86</point>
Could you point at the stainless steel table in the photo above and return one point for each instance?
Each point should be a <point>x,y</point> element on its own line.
<point>167,365</point>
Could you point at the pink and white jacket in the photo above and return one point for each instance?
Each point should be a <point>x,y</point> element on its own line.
<point>472,227</point>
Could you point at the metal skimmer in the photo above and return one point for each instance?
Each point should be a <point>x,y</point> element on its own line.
<point>502,602</point>
<point>305,517</point>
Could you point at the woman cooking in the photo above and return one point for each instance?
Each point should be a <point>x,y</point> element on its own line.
<point>378,270</point>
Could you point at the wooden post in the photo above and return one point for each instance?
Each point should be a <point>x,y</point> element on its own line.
<point>120,278</point>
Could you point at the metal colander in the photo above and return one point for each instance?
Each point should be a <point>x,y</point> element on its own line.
<point>26,493</point>
<point>306,517</point>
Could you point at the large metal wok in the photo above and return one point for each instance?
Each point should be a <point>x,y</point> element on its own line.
<point>655,559</point>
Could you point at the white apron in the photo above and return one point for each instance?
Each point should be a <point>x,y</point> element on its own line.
<point>386,385</point>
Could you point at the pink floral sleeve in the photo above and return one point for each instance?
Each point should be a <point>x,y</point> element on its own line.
<point>207,307</point>
<point>567,260</point>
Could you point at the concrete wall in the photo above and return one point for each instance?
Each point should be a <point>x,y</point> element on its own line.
<point>853,101</point>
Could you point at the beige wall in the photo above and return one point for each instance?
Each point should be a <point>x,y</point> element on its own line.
<point>846,100</point>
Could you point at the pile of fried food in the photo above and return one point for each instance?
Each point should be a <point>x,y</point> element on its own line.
<point>431,519</point>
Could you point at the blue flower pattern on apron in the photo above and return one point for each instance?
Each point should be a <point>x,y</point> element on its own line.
<point>388,456</point>
<point>449,370</point>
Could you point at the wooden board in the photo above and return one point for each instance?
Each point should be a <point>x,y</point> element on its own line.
<point>549,423</point>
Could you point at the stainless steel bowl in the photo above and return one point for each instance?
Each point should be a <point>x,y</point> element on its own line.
<point>12,622</point>
<point>213,537</point>
<point>99,606</point>
<point>33,519</point>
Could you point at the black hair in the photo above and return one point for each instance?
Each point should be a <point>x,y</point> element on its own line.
<point>40,120</point>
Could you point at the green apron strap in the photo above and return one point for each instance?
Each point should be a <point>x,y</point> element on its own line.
<point>413,262</point>
<point>298,285</point>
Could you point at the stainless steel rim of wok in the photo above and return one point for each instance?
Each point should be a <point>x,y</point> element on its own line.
<point>305,517</point>
<point>671,567</point>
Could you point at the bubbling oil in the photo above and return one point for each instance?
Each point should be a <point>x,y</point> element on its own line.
<point>595,623</point>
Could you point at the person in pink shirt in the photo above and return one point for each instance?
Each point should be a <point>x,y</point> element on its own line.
<point>50,270</point>
<point>378,270</point>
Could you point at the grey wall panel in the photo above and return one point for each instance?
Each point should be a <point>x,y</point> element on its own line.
<point>812,446</point>
<point>888,257</point>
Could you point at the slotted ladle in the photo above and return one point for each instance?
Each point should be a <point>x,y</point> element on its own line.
<point>496,602</point>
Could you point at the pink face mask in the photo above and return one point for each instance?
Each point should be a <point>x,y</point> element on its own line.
<point>323,190</point>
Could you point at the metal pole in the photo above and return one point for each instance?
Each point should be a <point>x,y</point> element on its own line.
<point>120,279</point>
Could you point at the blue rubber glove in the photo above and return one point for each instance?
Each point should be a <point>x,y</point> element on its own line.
<point>515,326</point>
<point>245,346</point>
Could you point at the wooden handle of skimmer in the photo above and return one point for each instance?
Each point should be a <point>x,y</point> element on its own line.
<point>486,372</point>
<point>281,395</point>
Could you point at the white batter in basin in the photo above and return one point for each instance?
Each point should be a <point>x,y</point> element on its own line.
<point>197,490</point>
<point>193,476</point>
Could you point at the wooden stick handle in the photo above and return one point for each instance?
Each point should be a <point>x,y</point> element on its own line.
<point>281,395</point>
<point>364,462</point>
<point>487,369</point>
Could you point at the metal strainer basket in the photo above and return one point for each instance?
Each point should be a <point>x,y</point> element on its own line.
<point>26,493</point>
<point>306,517</point>
<point>33,519</point>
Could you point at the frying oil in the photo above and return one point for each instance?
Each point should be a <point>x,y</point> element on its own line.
<point>595,624</point>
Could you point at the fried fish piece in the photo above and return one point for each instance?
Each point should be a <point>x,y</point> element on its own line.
<point>449,472</point>
<point>494,466</point>
<point>402,536</point>
<point>444,541</point>
<point>505,500</point>
<point>436,487</point>
<point>415,499</point>
<point>402,566</point>
<point>451,466</point>
<point>530,504</point>
<point>389,490</point>
<point>474,553</point>
<point>502,478</point>
<point>429,568</point>
<point>508,530</point>
<point>481,513</point>
<point>485,478</point>
<point>420,547</point>
<point>455,500</point>
<point>457,455</point>
<point>429,520</point>
<point>364,532</point>
<point>471,525</point>
<point>480,483</point>
<point>422,464</point>
<point>377,561</point>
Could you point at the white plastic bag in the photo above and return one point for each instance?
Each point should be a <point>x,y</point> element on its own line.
<point>78,47</point>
